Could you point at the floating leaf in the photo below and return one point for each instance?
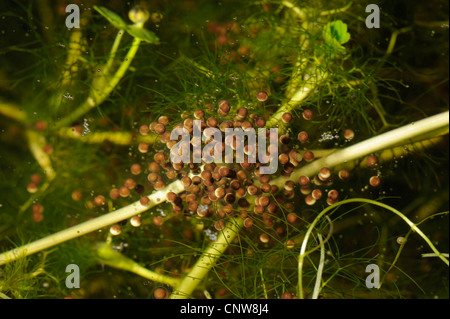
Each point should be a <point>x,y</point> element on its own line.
<point>112,17</point>
<point>142,34</point>
<point>139,33</point>
<point>335,34</point>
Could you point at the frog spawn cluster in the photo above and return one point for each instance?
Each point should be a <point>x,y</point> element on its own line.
<point>214,191</point>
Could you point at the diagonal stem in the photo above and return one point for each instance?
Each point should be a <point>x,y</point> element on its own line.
<point>208,259</point>
<point>114,259</point>
<point>384,141</point>
<point>377,143</point>
<point>91,225</point>
<point>119,138</point>
<point>101,90</point>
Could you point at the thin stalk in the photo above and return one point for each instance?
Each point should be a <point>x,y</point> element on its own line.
<point>391,45</point>
<point>119,138</point>
<point>101,89</point>
<point>434,255</point>
<point>304,253</point>
<point>112,53</point>
<point>404,150</point>
<point>36,143</point>
<point>390,154</point>
<point>301,60</point>
<point>70,69</point>
<point>73,54</point>
<point>208,259</point>
<point>12,111</point>
<point>397,256</point>
<point>89,226</point>
<point>384,141</point>
<point>402,245</point>
<point>335,11</point>
<point>42,189</point>
<point>330,233</point>
<point>263,284</point>
<point>297,10</point>
<point>377,104</point>
<point>316,291</point>
<point>3,296</point>
<point>311,82</point>
<point>393,39</point>
<point>114,259</point>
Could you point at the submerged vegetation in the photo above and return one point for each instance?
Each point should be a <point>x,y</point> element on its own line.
<point>87,178</point>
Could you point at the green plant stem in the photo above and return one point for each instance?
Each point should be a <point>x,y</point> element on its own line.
<point>208,259</point>
<point>397,256</point>
<point>119,138</point>
<point>297,10</point>
<point>335,11</point>
<point>377,104</point>
<point>42,189</point>
<point>36,142</point>
<point>12,111</point>
<point>404,150</point>
<point>374,144</point>
<point>300,64</point>
<point>384,141</point>
<point>114,259</point>
<point>101,89</point>
<point>316,291</point>
<point>3,296</point>
<point>393,39</point>
<point>73,54</point>
<point>302,57</point>
<point>311,82</point>
<point>263,283</point>
<point>304,253</point>
<point>89,226</point>
<point>402,245</point>
<point>434,255</point>
<point>112,53</point>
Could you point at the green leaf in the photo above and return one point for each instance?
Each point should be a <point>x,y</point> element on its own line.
<point>335,34</point>
<point>136,32</point>
<point>142,34</point>
<point>112,17</point>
